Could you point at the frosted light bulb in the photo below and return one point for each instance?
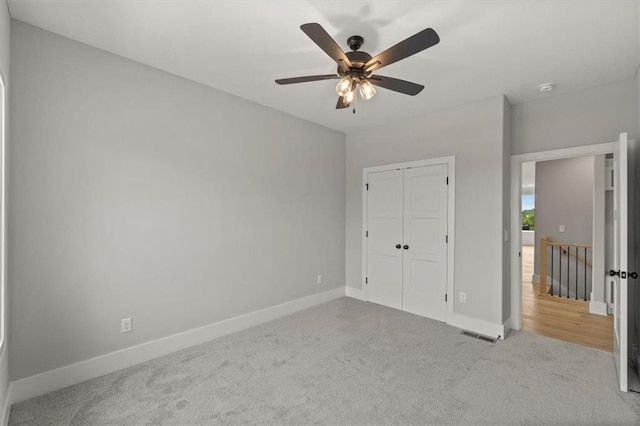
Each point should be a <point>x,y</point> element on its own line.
<point>349,97</point>
<point>344,86</point>
<point>367,91</point>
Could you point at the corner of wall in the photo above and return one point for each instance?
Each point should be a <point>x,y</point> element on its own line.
<point>5,388</point>
<point>506,208</point>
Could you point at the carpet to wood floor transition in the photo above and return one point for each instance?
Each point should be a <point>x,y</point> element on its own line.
<point>351,362</point>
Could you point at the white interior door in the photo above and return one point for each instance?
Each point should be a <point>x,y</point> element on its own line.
<point>384,227</point>
<point>424,241</point>
<point>620,339</point>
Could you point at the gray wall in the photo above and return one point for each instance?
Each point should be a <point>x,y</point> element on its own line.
<point>585,117</point>
<point>635,309</point>
<point>564,196</point>
<point>138,193</point>
<point>473,133</point>
<point>634,239</point>
<point>5,25</point>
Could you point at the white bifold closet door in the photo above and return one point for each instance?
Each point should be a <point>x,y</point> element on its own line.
<point>407,241</point>
<point>384,249</point>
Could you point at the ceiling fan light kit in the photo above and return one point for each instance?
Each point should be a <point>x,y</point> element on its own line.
<point>367,91</point>
<point>355,68</point>
<point>344,86</point>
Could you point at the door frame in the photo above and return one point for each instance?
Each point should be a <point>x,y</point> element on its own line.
<point>516,217</point>
<point>451,195</point>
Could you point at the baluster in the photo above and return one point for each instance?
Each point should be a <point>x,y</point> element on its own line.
<point>568,283</point>
<point>552,253</point>
<point>576,272</point>
<point>560,271</point>
<point>585,274</point>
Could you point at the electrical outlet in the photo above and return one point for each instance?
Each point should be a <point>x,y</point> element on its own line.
<point>126,325</point>
<point>561,228</point>
<point>463,297</point>
<point>319,280</point>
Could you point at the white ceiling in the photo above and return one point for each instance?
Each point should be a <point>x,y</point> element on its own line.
<point>487,48</point>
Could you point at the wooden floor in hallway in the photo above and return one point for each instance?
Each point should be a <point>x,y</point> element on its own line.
<point>561,318</point>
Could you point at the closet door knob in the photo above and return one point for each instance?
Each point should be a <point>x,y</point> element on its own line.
<point>406,247</point>
<point>398,246</point>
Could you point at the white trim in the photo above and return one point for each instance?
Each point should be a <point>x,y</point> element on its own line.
<point>68,375</point>
<point>450,161</point>
<point>516,224</point>
<point>3,207</point>
<point>5,403</point>
<point>356,293</point>
<point>6,406</point>
<point>451,225</point>
<point>598,226</point>
<point>477,326</point>
<point>365,213</point>
<point>599,308</point>
<point>555,154</point>
<point>409,164</point>
<point>506,328</point>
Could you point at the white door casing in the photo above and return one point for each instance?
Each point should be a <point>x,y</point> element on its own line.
<point>424,243</point>
<point>620,314</point>
<point>516,217</point>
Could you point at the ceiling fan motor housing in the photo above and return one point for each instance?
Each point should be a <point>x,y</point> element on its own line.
<point>355,42</point>
<point>358,59</point>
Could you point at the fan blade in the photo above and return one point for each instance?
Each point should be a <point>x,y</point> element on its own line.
<point>341,104</point>
<point>326,43</point>
<point>410,46</point>
<point>397,85</point>
<point>307,78</point>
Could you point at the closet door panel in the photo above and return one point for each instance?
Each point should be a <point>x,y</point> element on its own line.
<point>384,224</point>
<point>424,236</point>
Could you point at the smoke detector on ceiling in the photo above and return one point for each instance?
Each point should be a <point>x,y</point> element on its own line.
<point>546,87</point>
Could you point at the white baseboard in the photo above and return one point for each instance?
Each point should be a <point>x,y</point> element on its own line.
<point>68,375</point>
<point>599,308</point>
<point>477,326</point>
<point>5,402</point>
<point>356,293</point>
<point>6,406</point>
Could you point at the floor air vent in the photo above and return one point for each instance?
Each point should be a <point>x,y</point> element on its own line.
<point>479,336</point>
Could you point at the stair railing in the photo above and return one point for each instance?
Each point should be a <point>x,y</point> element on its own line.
<point>555,263</point>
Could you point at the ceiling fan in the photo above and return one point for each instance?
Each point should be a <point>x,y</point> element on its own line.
<point>355,68</point>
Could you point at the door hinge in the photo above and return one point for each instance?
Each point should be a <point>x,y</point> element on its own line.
<point>446,239</point>
<point>366,280</point>
<point>367,186</point>
<point>445,297</point>
<point>367,234</point>
<point>447,180</point>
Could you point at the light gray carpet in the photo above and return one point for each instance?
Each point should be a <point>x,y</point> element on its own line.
<point>351,362</point>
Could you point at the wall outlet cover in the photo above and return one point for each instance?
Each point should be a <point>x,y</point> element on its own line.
<point>126,325</point>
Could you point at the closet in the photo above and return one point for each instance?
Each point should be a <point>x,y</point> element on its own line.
<point>406,239</point>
